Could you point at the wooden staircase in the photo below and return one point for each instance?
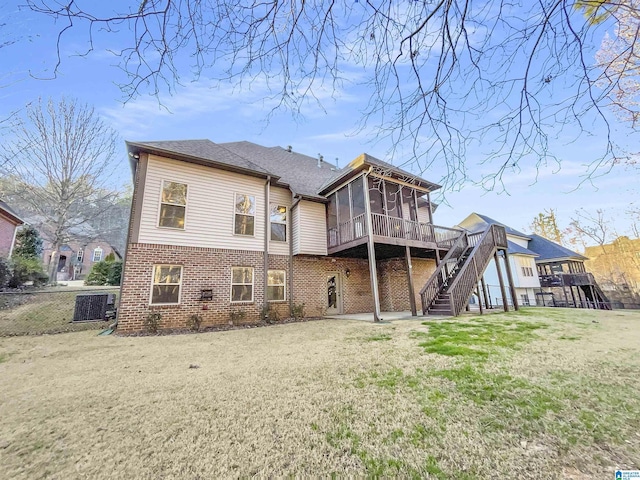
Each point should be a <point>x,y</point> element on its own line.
<point>448,290</point>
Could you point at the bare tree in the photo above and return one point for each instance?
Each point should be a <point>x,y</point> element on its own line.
<point>619,60</point>
<point>444,76</point>
<point>545,224</point>
<point>60,158</point>
<point>633,213</point>
<point>592,228</point>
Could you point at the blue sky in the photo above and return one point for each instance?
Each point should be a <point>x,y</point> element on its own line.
<point>228,112</point>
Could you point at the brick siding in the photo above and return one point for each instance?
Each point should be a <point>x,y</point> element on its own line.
<point>7,228</point>
<point>205,268</point>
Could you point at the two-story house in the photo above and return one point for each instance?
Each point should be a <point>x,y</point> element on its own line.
<point>564,278</point>
<point>545,273</point>
<point>236,227</point>
<point>521,262</point>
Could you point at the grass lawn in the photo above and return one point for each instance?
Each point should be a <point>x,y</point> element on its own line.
<point>45,311</point>
<point>542,394</point>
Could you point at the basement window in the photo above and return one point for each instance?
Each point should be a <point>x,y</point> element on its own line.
<point>167,283</point>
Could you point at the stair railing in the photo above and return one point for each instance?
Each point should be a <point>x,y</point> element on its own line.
<point>439,277</point>
<point>466,280</point>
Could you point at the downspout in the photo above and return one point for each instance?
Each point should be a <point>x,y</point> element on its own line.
<point>267,234</point>
<point>132,212</point>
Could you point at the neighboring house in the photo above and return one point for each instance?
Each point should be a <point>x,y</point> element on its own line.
<point>237,227</point>
<point>522,262</point>
<point>546,274</point>
<point>564,279</point>
<point>77,256</point>
<point>9,223</point>
<point>616,267</point>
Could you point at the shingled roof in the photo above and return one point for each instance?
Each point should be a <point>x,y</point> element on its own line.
<point>300,172</point>
<point>481,226</point>
<point>9,213</point>
<point>305,176</point>
<point>514,248</point>
<point>200,151</point>
<point>364,160</point>
<point>548,250</point>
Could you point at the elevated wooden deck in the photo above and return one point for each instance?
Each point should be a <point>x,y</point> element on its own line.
<point>391,231</point>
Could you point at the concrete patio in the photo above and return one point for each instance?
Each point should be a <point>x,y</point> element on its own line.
<point>386,317</point>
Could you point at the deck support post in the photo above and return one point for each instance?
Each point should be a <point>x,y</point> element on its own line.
<point>512,287</point>
<point>371,249</point>
<point>479,299</point>
<point>503,292</point>
<point>487,303</point>
<point>564,291</point>
<point>412,292</point>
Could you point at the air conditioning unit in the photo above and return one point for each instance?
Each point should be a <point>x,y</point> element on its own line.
<point>93,307</point>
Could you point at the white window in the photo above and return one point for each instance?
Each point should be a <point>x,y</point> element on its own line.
<point>167,282</point>
<point>241,284</point>
<point>276,282</point>
<point>278,223</point>
<point>527,271</point>
<point>80,255</point>
<point>245,214</point>
<point>524,299</point>
<point>97,254</point>
<point>173,205</point>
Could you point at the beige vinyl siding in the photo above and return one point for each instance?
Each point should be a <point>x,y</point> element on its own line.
<point>519,241</point>
<point>210,206</point>
<point>525,261</point>
<point>295,229</point>
<point>281,196</point>
<point>312,229</point>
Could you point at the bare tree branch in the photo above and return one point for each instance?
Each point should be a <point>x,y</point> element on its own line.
<point>444,76</point>
<point>60,161</point>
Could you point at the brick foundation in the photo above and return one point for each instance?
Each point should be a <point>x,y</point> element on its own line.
<point>205,268</point>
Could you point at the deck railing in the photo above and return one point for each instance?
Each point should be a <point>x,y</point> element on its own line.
<point>391,227</point>
<point>457,274</point>
<point>567,279</point>
<point>467,278</point>
<point>348,231</point>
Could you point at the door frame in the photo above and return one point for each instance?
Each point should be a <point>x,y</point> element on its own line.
<point>339,310</point>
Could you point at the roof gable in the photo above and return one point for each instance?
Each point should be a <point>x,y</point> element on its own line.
<point>10,214</point>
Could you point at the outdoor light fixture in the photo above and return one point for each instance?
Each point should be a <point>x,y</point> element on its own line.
<point>347,272</point>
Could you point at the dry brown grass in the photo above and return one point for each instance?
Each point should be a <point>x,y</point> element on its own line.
<point>343,397</point>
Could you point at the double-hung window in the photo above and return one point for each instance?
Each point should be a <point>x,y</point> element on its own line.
<point>97,254</point>
<point>241,284</point>
<point>278,223</point>
<point>80,255</point>
<point>276,282</point>
<point>173,205</point>
<point>167,282</point>
<point>245,214</point>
